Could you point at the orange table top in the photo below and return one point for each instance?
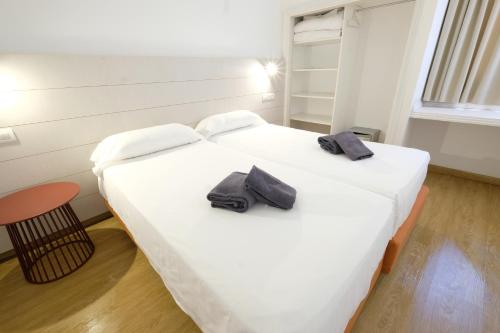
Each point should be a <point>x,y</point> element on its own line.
<point>35,201</point>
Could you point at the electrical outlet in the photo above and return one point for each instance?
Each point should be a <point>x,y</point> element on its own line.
<point>268,97</point>
<point>7,135</point>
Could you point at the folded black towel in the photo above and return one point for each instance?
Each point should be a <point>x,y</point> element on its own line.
<point>352,146</point>
<point>231,194</point>
<point>269,189</point>
<point>329,144</point>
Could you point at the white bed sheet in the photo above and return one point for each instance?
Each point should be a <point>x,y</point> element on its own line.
<point>395,172</point>
<point>267,270</point>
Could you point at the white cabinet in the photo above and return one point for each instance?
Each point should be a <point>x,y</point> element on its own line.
<point>336,83</point>
<point>313,78</point>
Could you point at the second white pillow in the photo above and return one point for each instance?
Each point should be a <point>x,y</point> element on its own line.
<point>229,121</point>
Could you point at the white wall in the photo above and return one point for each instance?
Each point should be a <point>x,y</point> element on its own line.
<point>306,4</point>
<point>473,148</point>
<point>60,107</point>
<point>224,28</point>
<point>63,105</point>
<point>382,41</point>
<point>467,147</point>
<point>286,4</point>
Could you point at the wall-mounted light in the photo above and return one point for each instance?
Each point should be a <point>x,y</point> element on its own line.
<point>263,72</point>
<point>271,69</point>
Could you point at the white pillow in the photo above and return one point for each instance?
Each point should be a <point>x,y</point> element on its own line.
<point>141,142</point>
<point>229,121</point>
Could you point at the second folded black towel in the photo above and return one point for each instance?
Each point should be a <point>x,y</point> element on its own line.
<point>231,194</point>
<point>269,189</point>
<point>329,144</point>
<point>345,142</point>
<point>352,146</point>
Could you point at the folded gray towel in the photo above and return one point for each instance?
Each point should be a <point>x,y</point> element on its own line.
<point>352,146</point>
<point>270,190</point>
<point>329,144</point>
<point>231,194</point>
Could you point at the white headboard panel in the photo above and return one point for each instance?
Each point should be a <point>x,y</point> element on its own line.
<point>60,106</point>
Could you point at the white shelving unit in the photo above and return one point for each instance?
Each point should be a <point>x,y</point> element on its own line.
<point>336,83</point>
<point>315,70</point>
<point>319,41</point>
<point>315,95</point>
<point>311,118</point>
<point>331,69</point>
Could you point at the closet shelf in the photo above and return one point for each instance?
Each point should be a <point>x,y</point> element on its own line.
<point>311,118</point>
<point>329,69</point>
<point>319,41</point>
<point>316,95</point>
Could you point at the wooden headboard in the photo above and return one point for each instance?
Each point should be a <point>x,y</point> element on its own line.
<point>61,106</point>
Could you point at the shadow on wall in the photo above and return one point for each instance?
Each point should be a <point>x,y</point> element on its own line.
<point>472,148</point>
<point>32,309</point>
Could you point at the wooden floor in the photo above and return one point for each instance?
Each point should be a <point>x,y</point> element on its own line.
<point>447,278</point>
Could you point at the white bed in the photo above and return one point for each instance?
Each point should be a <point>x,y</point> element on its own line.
<point>267,270</point>
<point>396,172</point>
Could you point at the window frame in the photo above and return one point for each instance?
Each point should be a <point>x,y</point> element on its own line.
<point>461,113</point>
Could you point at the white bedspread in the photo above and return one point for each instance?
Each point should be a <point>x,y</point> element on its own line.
<point>395,172</point>
<point>267,270</point>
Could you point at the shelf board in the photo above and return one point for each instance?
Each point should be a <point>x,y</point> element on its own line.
<point>315,95</point>
<point>326,69</point>
<point>319,41</point>
<point>458,115</point>
<point>311,118</point>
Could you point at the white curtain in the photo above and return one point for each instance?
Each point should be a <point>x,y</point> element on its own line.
<point>466,63</point>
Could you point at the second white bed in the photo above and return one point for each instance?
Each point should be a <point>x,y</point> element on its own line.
<point>267,270</point>
<point>395,172</point>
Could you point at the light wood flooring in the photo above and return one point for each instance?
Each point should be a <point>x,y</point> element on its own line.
<point>447,278</point>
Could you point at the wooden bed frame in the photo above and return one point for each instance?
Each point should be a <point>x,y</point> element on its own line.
<point>397,243</point>
<point>391,254</point>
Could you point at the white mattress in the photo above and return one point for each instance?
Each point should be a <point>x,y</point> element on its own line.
<point>267,270</point>
<point>395,172</point>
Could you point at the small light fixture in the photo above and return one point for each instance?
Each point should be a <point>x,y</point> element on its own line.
<point>271,69</point>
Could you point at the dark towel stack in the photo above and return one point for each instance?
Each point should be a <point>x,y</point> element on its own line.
<point>329,144</point>
<point>231,194</point>
<point>345,142</point>
<point>270,190</point>
<point>239,191</point>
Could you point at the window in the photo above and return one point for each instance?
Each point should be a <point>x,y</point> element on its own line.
<point>464,73</point>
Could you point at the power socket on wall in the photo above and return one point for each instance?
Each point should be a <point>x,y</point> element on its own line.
<point>268,97</point>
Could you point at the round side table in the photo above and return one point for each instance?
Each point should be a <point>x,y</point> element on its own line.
<point>49,240</point>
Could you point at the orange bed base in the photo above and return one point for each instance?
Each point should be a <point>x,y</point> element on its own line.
<point>361,305</point>
<point>397,243</point>
<point>392,251</point>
